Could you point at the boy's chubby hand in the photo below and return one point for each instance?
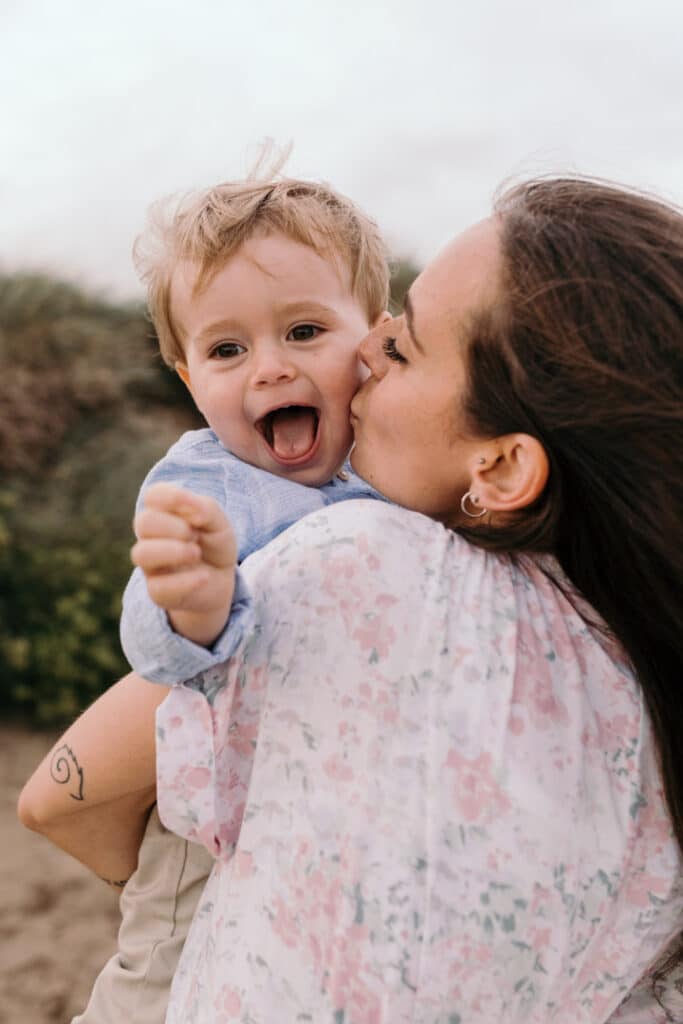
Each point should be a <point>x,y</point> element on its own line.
<point>187,550</point>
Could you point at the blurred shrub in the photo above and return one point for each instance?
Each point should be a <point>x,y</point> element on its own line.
<point>403,274</point>
<point>86,407</point>
<point>58,617</point>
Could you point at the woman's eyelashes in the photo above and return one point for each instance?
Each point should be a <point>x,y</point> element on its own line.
<point>390,350</point>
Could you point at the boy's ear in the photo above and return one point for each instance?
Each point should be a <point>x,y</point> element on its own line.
<point>509,473</point>
<point>184,374</point>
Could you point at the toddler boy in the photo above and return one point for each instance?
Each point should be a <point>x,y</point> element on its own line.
<point>260,292</point>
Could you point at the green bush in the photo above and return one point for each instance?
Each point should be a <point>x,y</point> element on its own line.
<point>87,407</point>
<point>58,616</point>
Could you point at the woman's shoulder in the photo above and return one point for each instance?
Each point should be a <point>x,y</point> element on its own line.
<point>382,548</point>
<point>377,549</point>
<point>360,522</point>
<point>360,537</point>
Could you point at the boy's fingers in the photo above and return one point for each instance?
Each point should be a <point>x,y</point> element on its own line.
<point>164,555</point>
<point>167,496</point>
<point>152,522</point>
<point>176,589</point>
<point>196,509</point>
<point>219,547</point>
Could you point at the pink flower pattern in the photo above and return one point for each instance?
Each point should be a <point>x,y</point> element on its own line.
<point>431,791</point>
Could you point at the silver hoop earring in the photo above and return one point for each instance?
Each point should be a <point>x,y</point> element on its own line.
<point>474,500</point>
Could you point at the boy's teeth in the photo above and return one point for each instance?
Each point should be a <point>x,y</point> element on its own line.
<point>293,431</point>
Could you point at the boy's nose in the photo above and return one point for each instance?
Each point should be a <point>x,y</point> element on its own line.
<point>371,352</point>
<point>272,366</point>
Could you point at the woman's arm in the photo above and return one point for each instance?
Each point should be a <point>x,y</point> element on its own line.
<point>92,793</point>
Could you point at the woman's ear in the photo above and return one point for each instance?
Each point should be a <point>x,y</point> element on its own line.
<point>510,474</point>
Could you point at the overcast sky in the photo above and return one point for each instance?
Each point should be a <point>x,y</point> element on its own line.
<point>416,109</point>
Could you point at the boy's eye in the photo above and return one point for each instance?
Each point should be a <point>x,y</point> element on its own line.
<point>304,332</point>
<point>390,350</point>
<point>227,350</point>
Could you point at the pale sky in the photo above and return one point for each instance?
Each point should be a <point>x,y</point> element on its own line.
<point>417,110</point>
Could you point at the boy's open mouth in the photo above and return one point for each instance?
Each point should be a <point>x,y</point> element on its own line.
<point>291,432</point>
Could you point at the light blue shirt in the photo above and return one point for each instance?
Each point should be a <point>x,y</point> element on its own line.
<point>259,506</point>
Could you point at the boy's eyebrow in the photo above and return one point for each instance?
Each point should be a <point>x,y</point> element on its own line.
<point>215,327</point>
<point>410,322</point>
<point>308,305</point>
<point>287,309</point>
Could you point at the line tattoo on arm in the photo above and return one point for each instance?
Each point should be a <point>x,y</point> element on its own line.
<point>115,883</point>
<point>66,771</point>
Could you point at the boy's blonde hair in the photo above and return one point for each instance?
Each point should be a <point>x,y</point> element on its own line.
<point>209,227</point>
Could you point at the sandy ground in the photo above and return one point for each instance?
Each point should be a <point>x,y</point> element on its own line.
<point>58,922</point>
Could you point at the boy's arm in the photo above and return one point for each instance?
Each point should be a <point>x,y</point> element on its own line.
<point>157,652</point>
<point>92,793</point>
<point>187,551</point>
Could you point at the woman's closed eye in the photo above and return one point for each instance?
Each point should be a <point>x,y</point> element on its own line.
<point>390,350</point>
<point>304,332</point>
<point>227,350</point>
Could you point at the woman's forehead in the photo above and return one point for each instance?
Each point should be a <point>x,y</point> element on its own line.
<point>463,275</point>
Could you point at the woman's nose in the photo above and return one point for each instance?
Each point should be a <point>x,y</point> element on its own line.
<point>371,352</point>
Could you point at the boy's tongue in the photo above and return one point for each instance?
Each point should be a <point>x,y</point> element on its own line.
<point>293,431</point>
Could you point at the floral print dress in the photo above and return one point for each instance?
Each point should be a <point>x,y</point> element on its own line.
<point>431,791</point>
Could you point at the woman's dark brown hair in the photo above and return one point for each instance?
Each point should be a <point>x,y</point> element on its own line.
<point>584,351</point>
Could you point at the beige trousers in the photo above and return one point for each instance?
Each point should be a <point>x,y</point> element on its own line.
<point>157,906</point>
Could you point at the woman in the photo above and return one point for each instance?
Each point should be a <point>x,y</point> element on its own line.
<point>433,784</point>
